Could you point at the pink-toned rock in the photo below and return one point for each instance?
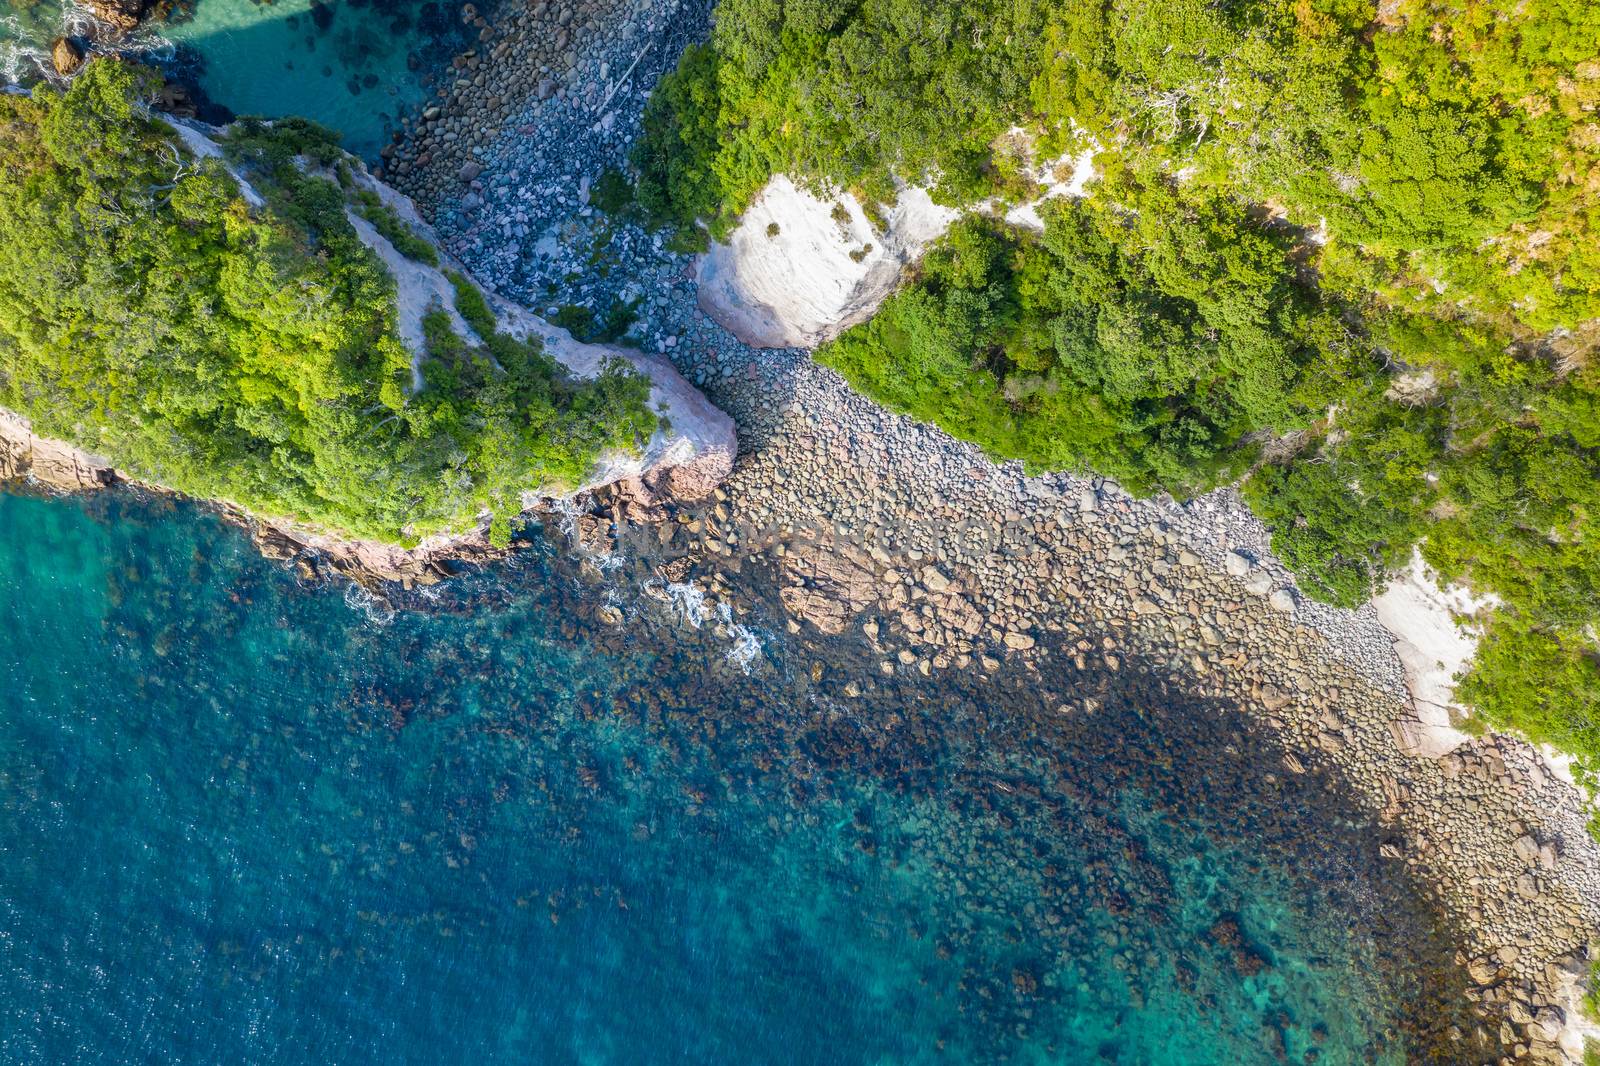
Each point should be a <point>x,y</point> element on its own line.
<point>120,15</point>
<point>832,584</point>
<point>53,463</point>
<point>66,56</point>
<point>368,562</point>
<point>812,605</point>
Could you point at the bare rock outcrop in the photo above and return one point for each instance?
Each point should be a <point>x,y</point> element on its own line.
<point>831,584</point>
<point>799,269</point>
<point>66,56</point>
<point>121,15</point>
<point>367,562</point>
<point>52,463</point>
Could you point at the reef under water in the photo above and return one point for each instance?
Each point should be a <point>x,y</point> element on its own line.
<point>244,818</point>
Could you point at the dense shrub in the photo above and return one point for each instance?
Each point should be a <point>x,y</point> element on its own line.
<point>1100,347</point>
<point>394,229</point>
<point>149,314</point>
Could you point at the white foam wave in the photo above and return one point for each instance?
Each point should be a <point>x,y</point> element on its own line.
<point>21,62</point>
<point>25,44</point>
<point>567,512</point>
<point>377,609</point>
<point>687,602</point>
<point>688,605</point>
<point>744,643</point>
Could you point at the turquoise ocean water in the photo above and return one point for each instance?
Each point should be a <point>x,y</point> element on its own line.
<point>354,65</point>
<point>246,820</point>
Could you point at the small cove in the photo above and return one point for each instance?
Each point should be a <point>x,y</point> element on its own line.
<point>491,829</point>
<point>244,821</point>
<point>356,67</point>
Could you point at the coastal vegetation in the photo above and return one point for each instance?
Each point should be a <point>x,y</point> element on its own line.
<point>1349,253</point>
<point>150,314</point>
<point>393,229</point>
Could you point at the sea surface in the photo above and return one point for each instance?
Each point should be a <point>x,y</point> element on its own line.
<point>356,66</point>
<point>245,818</point>
<point>250,818</point>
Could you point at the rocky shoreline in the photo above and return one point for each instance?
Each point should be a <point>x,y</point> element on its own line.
<point>689,453</point>
<point>57,466</point>
<point>872,525</point>
<point>866,526</point>
<point>945,562</point>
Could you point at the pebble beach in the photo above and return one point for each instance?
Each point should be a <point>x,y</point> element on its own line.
<point>938,559</point>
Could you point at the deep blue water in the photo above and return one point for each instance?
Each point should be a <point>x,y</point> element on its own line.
<point>244,820</point>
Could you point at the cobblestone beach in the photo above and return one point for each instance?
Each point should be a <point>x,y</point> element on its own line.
<point>860,523</point>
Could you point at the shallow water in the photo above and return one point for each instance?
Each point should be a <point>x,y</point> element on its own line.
<point>245,820</point>
<point>355,67</point>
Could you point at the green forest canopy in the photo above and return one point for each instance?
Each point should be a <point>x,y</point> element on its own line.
<point>1372,229</point>
<point>149,314</point>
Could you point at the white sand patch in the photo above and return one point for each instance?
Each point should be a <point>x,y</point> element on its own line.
<point>1436,636</point>
<point>787,277</point>
<point>799,270</point>
<point>1560,764</point>
<point>1067,176</point>
<point>1433,646</point>
<point>1577,1029</point>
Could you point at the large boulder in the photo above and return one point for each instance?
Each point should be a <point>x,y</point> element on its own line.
<point>799,270</point>
<point>66,56</point>
<point>120,15</point>
<point>829,584</point>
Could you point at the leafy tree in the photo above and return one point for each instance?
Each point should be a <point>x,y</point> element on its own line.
<point>1106,344</point>
<point>150,314</point>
